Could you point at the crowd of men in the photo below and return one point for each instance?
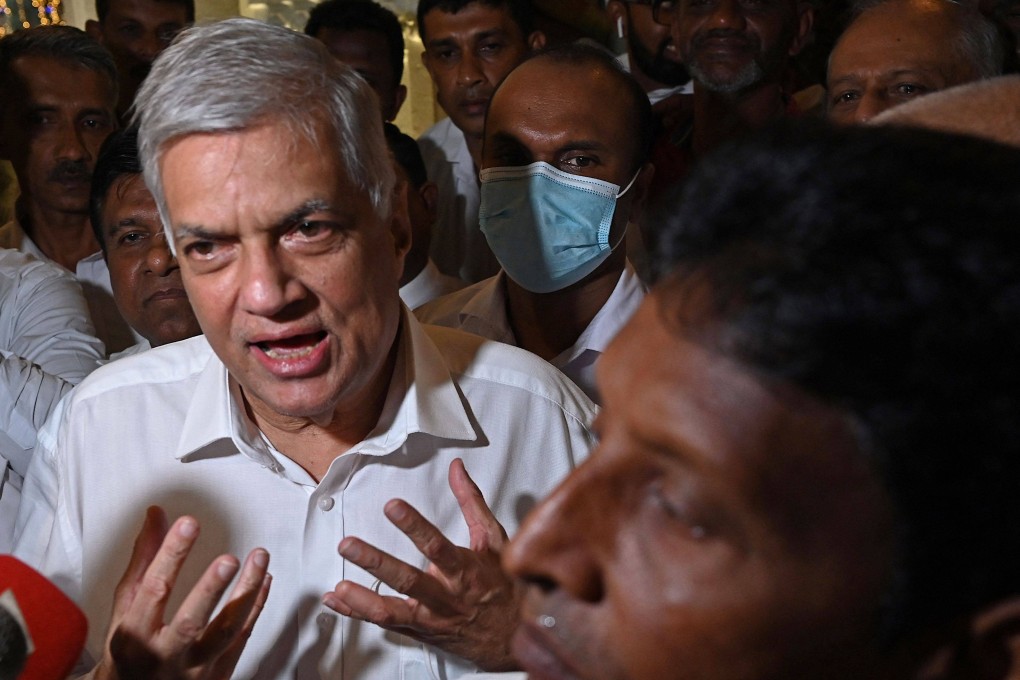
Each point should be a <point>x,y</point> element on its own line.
<point>650,365</point>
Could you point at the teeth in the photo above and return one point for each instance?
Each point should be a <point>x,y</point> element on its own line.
<point>288,352</point>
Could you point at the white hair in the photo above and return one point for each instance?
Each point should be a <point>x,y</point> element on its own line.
<point>236,74</point>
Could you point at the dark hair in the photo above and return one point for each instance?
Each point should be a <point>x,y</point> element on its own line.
<point>66,43</point>
<point>878,269</point>
<point>103,8</point>
<point>118,156</point>
<point>585,55</point>
<point>520,11</point>
<point>406,152</point>
<point>357,15</point>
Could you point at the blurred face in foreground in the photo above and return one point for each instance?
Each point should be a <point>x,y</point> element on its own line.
<point>725,527</point>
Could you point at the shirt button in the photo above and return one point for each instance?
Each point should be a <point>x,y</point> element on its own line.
<point>325,504</point>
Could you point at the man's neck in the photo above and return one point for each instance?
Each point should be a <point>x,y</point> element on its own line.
<point>721,117</point>
<point>66,238</point>
<point>315,442</point>
<point>548,324</point>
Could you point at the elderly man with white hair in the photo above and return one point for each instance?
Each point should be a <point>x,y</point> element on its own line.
<point>311,400</point>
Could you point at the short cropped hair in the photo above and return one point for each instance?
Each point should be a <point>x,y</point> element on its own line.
<point>118,156</point>
<point>361,15</point>
<point>639,109</point>
<point>876,269</point>
<point>978,40</point>
<point>103,8</point>
<point>216,78</point>
<point>520,11</point>
<point>66,43</point>
<point>407,154</point>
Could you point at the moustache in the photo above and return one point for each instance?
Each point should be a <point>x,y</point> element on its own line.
<point>70,171</point>
<point>700,39</point>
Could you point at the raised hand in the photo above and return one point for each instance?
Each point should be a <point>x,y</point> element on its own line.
<point>463,603</point>
<point>192,646</point>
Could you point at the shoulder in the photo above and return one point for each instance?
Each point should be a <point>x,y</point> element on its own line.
<point>442,141</point>
<point>494,367</point>
<point>445,310</point>
<point>154,369</point>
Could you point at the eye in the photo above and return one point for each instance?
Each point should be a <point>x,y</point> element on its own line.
<point>95,122</point>
<point>579,162</point>
<point>490,47</point>
<point>166,34</point>
<point>313,230</point>
<point>908,90</point>
<point>129,31</point>
<point>445,55</point>
<point>677,511</point>
<point>131,238</point>
<point>845,97</point>
<point>201,250</point>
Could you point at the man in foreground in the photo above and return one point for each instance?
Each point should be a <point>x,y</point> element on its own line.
<point>808,453</point>
<point>310,401</point>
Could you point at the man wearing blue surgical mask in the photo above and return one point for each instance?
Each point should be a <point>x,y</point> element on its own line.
<point>564,171</point>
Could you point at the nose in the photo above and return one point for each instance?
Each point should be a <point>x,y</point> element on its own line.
<point>266,286</point>
<point>868,106</point>
<point>160,260</point>
<point>469,70</point>
<point>727,14</point>
<point>149,46</point>
<point>71,144</point>
<point>559,546</point>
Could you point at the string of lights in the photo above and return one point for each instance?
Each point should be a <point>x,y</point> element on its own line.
<point>18,14</point>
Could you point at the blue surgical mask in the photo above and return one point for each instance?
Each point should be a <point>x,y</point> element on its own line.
<point>548,228</point>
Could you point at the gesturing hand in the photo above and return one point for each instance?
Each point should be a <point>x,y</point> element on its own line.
<point>140,645</point>
<point>463,603</point>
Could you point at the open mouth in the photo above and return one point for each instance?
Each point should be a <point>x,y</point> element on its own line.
<point>294,347</point>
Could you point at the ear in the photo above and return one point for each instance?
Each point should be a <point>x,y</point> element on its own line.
<point>429,193</point>
<point>536,40</point>
<point>399,96</point>
<point>95,30</point>
<point>640,192</point>
<point>805,22</point>
<point>400,225</point>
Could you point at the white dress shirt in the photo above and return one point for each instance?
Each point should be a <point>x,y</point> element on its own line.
<point>429,284</point>
<point>168,427</point>
<point>47,345</point>
<point>94,277</point>
<point>458,246</point>
<point>481,309</point>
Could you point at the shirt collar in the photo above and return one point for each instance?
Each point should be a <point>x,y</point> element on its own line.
<point>485,312</point>
<point>422,398</point>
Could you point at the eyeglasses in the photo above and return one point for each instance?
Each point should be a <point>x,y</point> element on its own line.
<point>663,10</point>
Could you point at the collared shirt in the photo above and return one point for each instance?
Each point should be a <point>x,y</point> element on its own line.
<point>94,277</point>
<point>168,427</point>
<point>458,246</point>
<point>429,284</point>
<point>481,309</point>
<point>47,345</point>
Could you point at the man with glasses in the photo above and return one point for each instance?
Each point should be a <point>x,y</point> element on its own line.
<point>652,56</point>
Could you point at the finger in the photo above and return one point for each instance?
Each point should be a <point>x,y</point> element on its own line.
<point>484,529</point>
<point>231,622</point>
<point>224,666</point>
<point>159,579</point>
<point>192,616</point>
<point>356,601</point>
<point>398,575</point>
<point>429,540</point>
<point>146,545</point>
